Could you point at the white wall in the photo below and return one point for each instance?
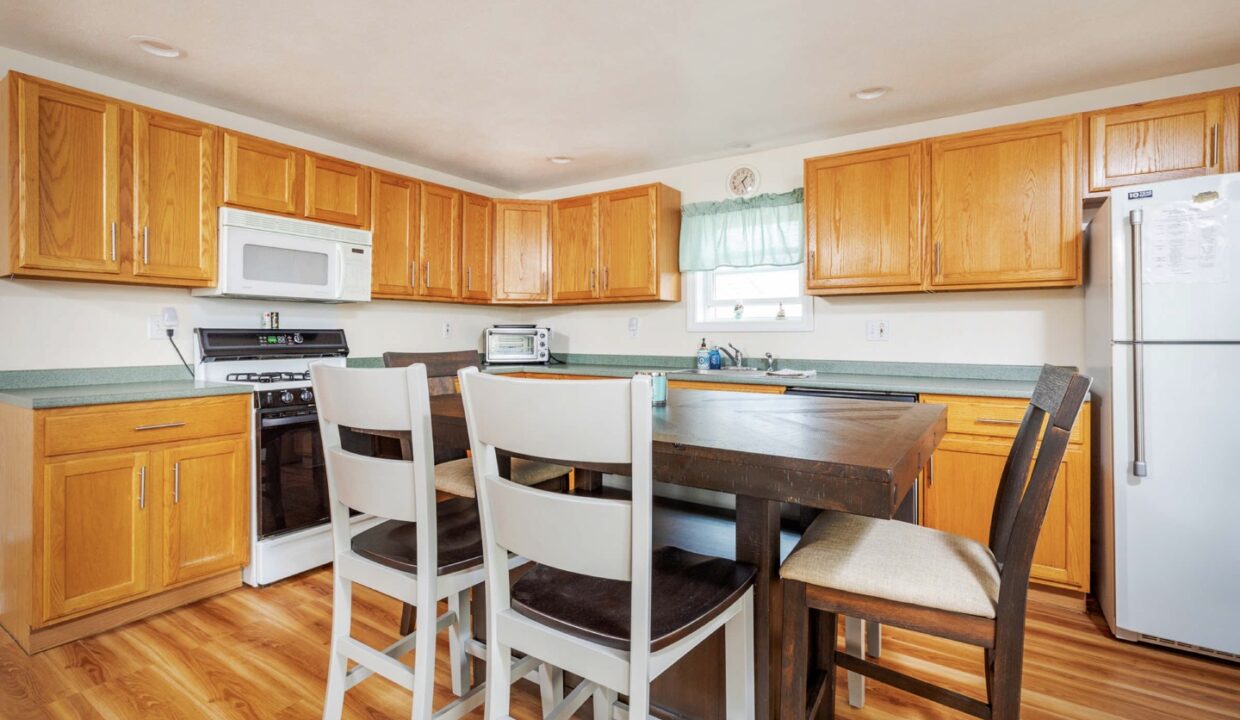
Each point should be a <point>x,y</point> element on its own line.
<point>45,324</point>
<point>1021,327</point>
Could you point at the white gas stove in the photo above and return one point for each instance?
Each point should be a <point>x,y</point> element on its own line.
<point>290,532</point>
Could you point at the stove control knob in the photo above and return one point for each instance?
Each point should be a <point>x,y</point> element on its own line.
<point>297,338</point>
<point>306,396</point>
<point>286,397</point>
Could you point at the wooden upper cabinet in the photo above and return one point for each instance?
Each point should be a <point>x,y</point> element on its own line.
<point>67,147</point>
<point>394,234</point>
<point>95,531</point>
<point>522,251</point>
<point>863,220</point>
<point>261,175</point>
<point>477,231</point>
<point>336,191</point>
<point>175,199</point>
<point>205,508</point>
<point>628,243</point>
<point>439,242</point>
<point>1005,207</point>
<point>574,248</point>
<point>1160,140</point>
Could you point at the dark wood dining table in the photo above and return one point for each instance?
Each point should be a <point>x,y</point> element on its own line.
<point>855,456</point>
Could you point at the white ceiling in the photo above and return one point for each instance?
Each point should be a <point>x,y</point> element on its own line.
<point>487,89</point>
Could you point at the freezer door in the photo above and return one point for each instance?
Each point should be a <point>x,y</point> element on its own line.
<point>1190,258</point>
<point>1177,540</point>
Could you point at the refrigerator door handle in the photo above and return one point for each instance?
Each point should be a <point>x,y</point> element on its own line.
<point>1136,218</point>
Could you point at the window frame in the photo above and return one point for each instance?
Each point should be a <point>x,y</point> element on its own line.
<point>697,290</point>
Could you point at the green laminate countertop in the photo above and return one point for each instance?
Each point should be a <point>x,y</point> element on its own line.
<point>1013,387</point>
<point>38,389</point>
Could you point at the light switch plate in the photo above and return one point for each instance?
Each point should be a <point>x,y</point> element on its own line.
<point>877,330</point>
<point>632,327</point>
<point>446,332</point>
<point>155,328</point>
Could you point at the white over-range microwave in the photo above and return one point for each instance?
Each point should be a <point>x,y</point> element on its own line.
<point>273,257</point>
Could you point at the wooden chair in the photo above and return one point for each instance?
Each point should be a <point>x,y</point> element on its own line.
<point>423,553</point>
<point>600,602</point>
<point>929,581</point>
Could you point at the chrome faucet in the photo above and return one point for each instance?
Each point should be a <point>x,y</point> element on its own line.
<point>770,362</point>
<point>736,356</point>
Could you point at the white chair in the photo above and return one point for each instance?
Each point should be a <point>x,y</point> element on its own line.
<point>600,602</point>
<point>425,552</point>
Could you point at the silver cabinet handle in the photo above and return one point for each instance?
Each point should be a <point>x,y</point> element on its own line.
<point>1214,145</point>
<point>146,245</point>
<point>176,482</point>
<point>997,421</point>
<point>543,284</point>
<point>469,278</point>
<point>1136,218</point>
<point>160,426</point>
<point>938,258</point>
<point>605,278</point>
<point>427,274</point>
<point>591,278</point>
<point>113,242</point>
<point>142,488</point>
<point>413,274</point>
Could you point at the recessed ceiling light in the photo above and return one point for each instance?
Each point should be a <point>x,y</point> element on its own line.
<point>871,93</point>
<point>559,159</point>
<point>155,46</point>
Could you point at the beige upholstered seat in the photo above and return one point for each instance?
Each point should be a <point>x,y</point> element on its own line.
<point>896,561</point>
<point>456,477</point>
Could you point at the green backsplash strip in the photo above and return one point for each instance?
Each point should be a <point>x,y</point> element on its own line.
<point>72,377</point>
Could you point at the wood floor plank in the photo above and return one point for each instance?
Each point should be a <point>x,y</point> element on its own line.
<point>262,653</point>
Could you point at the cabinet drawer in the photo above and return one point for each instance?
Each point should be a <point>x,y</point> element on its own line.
<point>991,417</point>
<point>132,424</point>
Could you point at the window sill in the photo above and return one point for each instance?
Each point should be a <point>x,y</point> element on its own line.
<point>805,324</point>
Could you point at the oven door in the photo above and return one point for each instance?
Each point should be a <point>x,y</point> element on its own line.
<point>292,476</point>
<point>511,347</point>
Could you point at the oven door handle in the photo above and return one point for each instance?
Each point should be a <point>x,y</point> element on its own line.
<point>264,422</point>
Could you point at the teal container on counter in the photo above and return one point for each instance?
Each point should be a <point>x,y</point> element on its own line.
<point>658,394</point>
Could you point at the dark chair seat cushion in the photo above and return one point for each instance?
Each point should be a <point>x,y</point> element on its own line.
<point>394,543</point>
<point>687,591</point>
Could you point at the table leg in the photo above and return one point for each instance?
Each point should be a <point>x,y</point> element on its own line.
<point>757,543</point>
<point>587,481</point>
<point>854,644</point>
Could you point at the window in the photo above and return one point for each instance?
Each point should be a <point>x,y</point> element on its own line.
<point>750,299</point>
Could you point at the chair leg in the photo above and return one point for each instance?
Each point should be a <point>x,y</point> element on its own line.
<point>499,678</point>
<point>424,661</point>
<point>459,636</point>
<point>1005,683</point>
<point>550,687</point>
<point>406,619</point>
<point>338,664</point>
<point>873,638</point>
<point>739,662</point>
<point>854,644</point>
<point>827,631</point>
<point>794,678</point>
<point>604,701</point>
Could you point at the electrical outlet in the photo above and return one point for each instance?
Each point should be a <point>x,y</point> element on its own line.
<point>877,330</point>
<point>155,328</point>
<point>446,332</point>
<point>632,327</point>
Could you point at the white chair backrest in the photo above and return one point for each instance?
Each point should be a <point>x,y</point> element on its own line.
<point>376,399</point>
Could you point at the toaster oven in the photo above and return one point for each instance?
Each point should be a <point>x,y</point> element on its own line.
<point>517,344</point>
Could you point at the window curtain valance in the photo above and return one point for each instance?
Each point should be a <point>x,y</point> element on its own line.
<point>745,232</point>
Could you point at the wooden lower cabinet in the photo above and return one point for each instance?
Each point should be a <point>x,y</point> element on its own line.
<point>120,524</point>
<point>95,532</point>
<point>204,509</point>
<point>958,493</point>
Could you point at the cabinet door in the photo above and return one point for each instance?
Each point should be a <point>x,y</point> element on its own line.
<point>476,234</point>
<point>574,248</point>
<point>439,245</point>
<point>205,509</point>
<point>1005,207</point>
<point>95,532</point>
<point>68,160</point>
<point>863,220</point>
<point>627,243</point>
<point>176,220</point>
<point>1155,141</point>
<point>959,497</point>
<point>522,250</point>
<point>261,175</point>
<point>394,235</point>
<point>336,191</point>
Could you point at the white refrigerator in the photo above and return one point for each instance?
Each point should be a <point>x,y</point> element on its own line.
<point>1162,342</point>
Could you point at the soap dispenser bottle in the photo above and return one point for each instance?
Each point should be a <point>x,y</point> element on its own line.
<point>716,358</point>
<point>703,356</point>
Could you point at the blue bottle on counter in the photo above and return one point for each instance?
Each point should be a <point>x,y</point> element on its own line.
<point>716,359</point>
<point>703,356</point>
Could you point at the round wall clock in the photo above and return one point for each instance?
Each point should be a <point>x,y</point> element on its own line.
<point>743,181</point>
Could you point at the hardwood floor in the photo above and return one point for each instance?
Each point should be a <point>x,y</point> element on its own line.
<point>263,654</point>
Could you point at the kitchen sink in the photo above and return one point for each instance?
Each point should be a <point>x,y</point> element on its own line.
<point>721,371</point>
